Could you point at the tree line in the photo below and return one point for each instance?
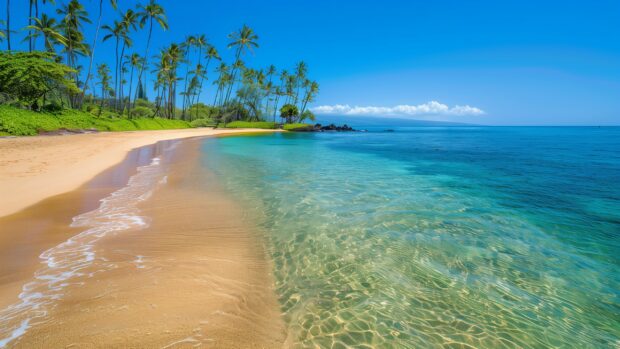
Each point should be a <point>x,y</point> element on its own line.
<point>62,68</point>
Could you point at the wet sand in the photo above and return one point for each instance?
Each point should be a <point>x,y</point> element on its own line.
<point>35,168</point>
<point>197,276</point>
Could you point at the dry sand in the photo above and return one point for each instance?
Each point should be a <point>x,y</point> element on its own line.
<point>35,168</point>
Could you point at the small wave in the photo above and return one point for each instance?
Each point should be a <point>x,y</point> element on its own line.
<point>67,261</point>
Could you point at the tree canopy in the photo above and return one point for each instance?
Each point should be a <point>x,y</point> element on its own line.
<point>28,76</point>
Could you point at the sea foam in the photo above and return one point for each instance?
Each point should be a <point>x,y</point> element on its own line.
<point>66,262</point>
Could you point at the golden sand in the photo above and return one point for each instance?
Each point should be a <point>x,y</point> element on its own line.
<point>197,277</point>
<point>35,168</point>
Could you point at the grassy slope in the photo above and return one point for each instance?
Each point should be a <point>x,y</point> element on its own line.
<point>19,122</point>
<point>248,124</point>
<point>298,127</point>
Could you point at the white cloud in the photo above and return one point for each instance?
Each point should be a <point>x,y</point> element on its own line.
<point>430,108</point>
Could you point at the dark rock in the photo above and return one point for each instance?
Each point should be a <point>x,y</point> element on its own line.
<point>333,127</point>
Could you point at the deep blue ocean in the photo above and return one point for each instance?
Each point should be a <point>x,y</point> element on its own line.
<point>437,237</point>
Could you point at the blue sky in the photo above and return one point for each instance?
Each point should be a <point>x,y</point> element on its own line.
<point>511,62</point>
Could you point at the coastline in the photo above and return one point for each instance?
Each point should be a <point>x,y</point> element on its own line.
<point>195,274</point>
<point>35,168</point>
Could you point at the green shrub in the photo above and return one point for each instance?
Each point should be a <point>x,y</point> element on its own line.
<point>250,124</point>
<point>141,112</point>
<point>298,127</point>
<point>20,122</point>
<point>202,123</point>
<point>202,111</point>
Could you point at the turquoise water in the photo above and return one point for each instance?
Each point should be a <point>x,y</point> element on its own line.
<point>437,237</point>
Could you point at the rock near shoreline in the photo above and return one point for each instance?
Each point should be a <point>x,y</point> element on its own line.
<point>330,127</point>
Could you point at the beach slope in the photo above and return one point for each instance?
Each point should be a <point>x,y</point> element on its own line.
<point>35,168</point>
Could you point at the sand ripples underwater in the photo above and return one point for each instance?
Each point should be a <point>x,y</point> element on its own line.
<point>447,239</point>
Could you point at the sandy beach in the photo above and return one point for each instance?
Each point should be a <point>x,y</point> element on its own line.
<point>35,168</point>
<point>195,274</point>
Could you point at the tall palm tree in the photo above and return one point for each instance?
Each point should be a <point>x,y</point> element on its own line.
<point>312,89</point>
<point>278,92</point>
<point>186,47</point>
<point>135,62</point>
<point>211,54</point>
<point>150,13</point>
<point>300,76</point>
<point>104,81</point>
<point>31,21</point>
<point>117,31</point>
<point>49,29</point>
<point>129,22</point>
<point>244,39</point>
<point>94,45</point>
<point>73,18</point>
<point>221,81</point>
<point>269,87</point>
<point>291,82</point>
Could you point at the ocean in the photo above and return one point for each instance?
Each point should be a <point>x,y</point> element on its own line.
<point>437,237</point>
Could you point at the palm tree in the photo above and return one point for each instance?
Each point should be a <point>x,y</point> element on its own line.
<point>104,81</point>
<point>312,89</point>
<point>278,92</point>
<point>129,22</point>
<point>221,81</point>
<point>211,54</point>
<point>2,35</point>
<point>242,40</point>
<point>291,82</point>
<point>200,43</point>
<point>300,76</point>
<point>166,69</point>
<point>186,46</point>
<point>96,37</point>
<point>31,21</point>
<point>73,18</point>
<point>152,12</point>
<point>117,31</point>
<point>49,29</point>
<point>135,61</point>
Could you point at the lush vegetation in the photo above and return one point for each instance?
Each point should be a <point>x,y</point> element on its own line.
<point>298,127</point>
<point>21,122</point>
<point>252,124</point>
<point>57,68</point>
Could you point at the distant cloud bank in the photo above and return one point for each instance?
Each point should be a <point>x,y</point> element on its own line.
<point>430,108</point>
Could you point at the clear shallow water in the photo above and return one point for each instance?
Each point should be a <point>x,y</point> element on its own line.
<point>438,237</point>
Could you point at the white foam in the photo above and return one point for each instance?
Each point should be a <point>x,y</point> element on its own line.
<point>117,213</point>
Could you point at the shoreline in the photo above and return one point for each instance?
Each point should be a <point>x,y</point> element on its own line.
<point>38,167</point>
<point>224,292</point>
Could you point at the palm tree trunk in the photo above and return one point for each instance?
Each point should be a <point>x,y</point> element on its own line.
<point>36,15</point>
<point>275,108</point>
<point>92,51</point>
<point>130,86</point>
<point>116,77</point>
<point>30,30</point>
<point>8,24</point>
<point>234,75</point>
<point>305,104</point>
<point>202,78</point>
<point>217,92</point>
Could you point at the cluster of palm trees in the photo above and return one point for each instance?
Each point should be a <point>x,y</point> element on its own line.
<point>179,70</point>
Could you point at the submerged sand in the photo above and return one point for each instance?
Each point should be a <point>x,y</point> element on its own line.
<point>35,168</point>
<point>197,276</point>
